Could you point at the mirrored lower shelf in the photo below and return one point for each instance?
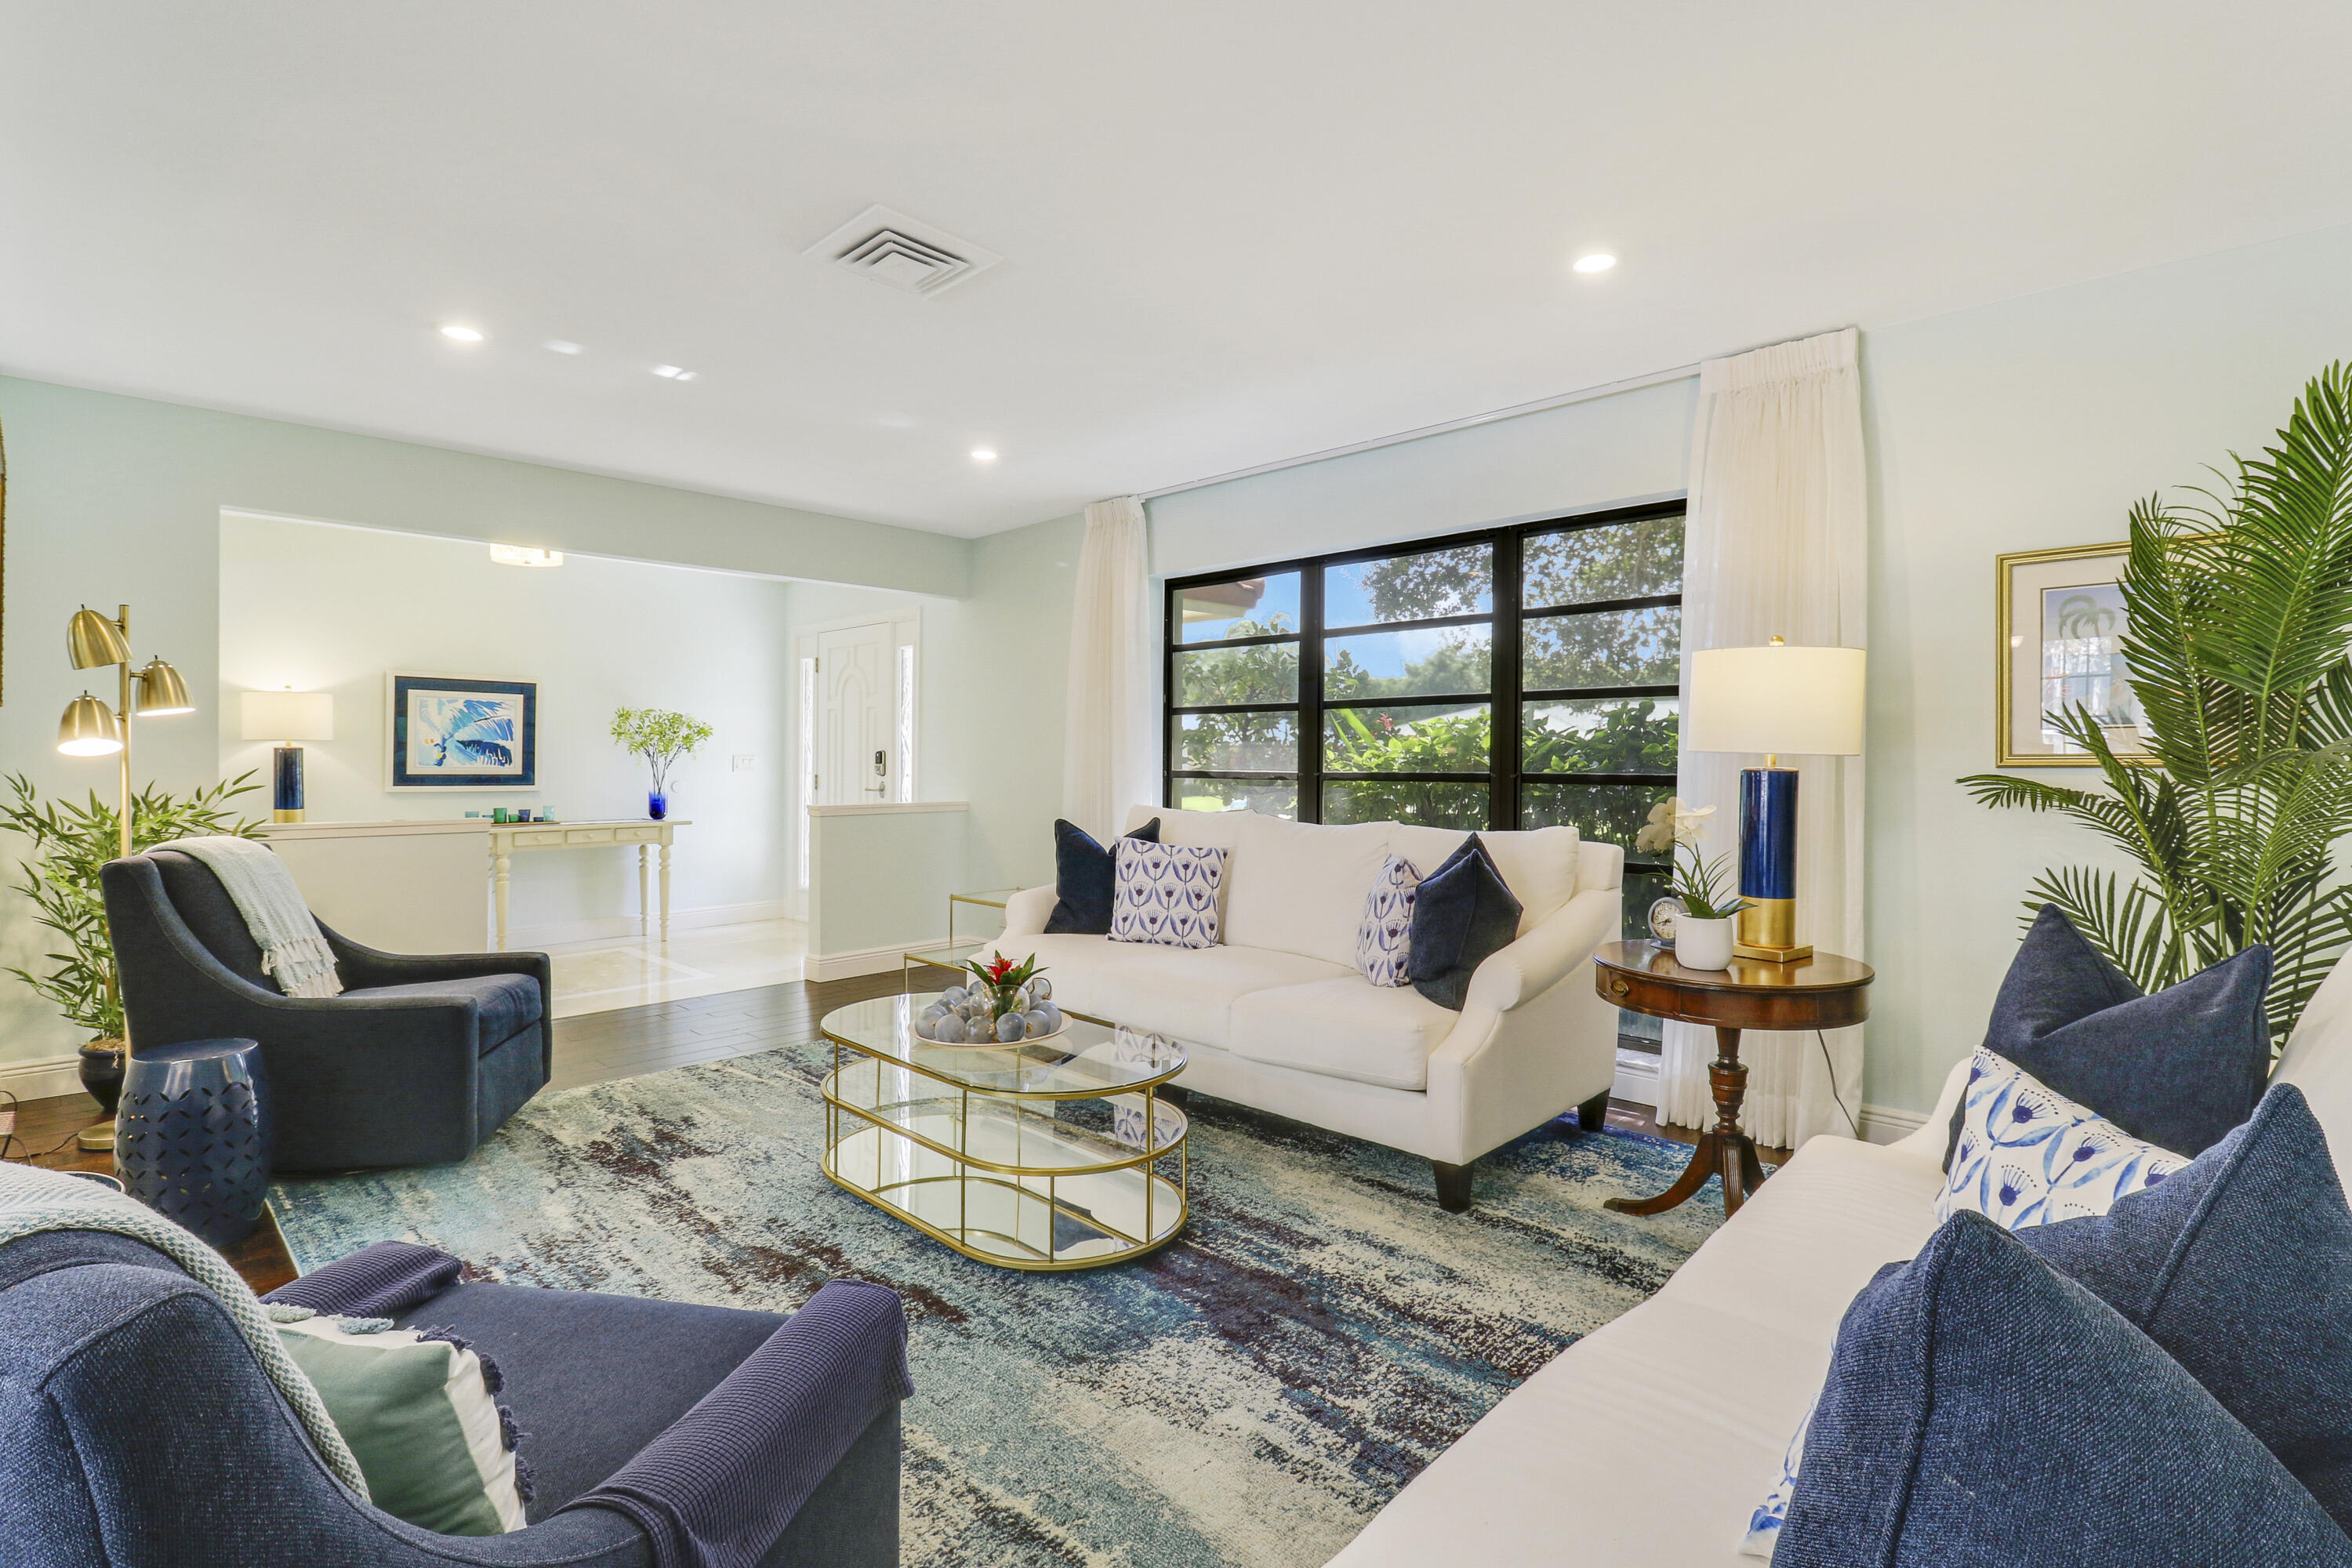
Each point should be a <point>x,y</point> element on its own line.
<point>1079,1220</point>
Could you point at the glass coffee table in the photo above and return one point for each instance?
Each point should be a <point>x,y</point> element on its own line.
<point>1048,1154</point>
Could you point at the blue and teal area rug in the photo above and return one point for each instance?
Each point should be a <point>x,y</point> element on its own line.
<point>1250,1394</point>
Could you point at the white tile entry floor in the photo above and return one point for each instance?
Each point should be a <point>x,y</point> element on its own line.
<point>630,972</point>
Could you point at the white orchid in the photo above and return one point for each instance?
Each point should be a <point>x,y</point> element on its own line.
<point>1671,821</point>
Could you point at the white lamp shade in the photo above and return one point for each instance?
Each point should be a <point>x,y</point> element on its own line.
<point>1801,701</point>
<point>289,716</point>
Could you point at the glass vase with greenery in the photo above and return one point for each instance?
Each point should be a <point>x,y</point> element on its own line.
<point>661,736</point>
<point>2239,612</point>
<point>68,843</point>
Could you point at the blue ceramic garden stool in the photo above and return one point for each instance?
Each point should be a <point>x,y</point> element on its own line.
<point>192,1135</point>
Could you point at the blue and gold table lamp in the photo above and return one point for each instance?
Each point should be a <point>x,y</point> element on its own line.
<point>1779,701</point>
<point>286,716</point>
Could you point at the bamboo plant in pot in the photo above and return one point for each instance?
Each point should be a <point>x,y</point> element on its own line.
<point>69,844</point>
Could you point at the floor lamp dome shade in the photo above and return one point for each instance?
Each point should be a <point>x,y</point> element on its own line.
<point>162,692</point>
<point>286,716</point>
<point>1800,701</point>
<point>91,640</point>
<point>88,729</point>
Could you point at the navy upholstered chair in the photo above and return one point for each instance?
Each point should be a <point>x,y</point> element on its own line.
<point>417,1061</point>
<point>136,1426</point>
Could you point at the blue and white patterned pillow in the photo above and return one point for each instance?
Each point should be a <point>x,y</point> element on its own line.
<point>1764,1525</point>
<point>1167,893</point>
<point>1385,937</point>
<point>2028,1155</point>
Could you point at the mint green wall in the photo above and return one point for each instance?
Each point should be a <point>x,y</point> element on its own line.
<point>116,499</point>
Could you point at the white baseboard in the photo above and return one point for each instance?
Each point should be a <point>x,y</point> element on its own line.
<point>865,959</point>
<point>42,1078</point>
<point>1637,1078</point>
<point>1890,1124</point>
<point>614,928</point>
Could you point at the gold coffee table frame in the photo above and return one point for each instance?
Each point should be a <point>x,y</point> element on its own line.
<point>966,1144</point>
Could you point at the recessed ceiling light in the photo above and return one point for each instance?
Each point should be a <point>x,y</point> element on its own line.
<point>983,455</point>
<point>672,372</point>
<point>562,346</point>
<point>462,335</point>
<point>523,555</point>
<point>1598,261</point>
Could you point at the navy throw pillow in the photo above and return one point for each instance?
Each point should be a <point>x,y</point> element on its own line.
<point>1463,912</point>
<point>2240,1266</point>
<point>1982,1409</point>
<point>1082,879</point>
<point>2176,1069</point>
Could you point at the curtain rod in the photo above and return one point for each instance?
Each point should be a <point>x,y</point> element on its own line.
<point>1588,394</point>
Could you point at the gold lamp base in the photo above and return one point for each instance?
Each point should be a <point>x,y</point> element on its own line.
<point>281,815</point>
<point>1767,932</point>
<point>96,1140</point>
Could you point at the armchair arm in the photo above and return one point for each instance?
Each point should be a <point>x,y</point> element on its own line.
<point>362,966</point>
<point>1560,942</point>
<point>1025,911</point>
<point>727,1477</point>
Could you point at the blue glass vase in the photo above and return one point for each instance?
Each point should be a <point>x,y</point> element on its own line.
<point>656,805</point>
<point>192,1135</point>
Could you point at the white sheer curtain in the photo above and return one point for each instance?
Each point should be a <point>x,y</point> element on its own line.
<point>1109,751</point>
<point>1775,546</point>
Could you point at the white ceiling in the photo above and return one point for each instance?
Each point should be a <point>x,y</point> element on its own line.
<point>1233,231</point>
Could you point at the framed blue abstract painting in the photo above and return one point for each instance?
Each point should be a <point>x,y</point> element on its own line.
<point>455,732</point>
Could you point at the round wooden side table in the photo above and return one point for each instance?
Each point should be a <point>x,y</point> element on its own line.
<point>1823,992</point>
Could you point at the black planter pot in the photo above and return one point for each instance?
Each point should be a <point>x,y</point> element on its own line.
<point>102,1072</point>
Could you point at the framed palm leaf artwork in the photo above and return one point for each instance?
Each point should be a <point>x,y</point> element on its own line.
<point>455,732</point>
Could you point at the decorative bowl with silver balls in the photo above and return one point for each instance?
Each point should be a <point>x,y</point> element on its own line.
<point>1006,1003</point>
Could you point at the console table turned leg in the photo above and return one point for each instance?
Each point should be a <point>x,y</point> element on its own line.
<point>501,871</point>
<point>645,890</point>
<point>665,889</point>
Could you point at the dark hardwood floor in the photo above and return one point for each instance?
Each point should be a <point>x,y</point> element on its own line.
<point>624,1043</point>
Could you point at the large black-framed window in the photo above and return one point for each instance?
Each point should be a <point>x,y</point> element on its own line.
<point>1519,677</point>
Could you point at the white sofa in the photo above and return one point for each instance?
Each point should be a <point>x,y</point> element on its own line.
<point>1650,1440</point>
<point>1280,1018</point>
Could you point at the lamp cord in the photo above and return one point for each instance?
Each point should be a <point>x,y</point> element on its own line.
<point>1826,1062</point>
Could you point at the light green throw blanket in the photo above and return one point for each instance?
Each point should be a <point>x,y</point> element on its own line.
<point>293,953</point>
<point>34,1200</point>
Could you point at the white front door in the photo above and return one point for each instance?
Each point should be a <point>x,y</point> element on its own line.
<point>856,716</point>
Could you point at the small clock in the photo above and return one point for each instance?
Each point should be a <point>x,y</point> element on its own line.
<point>1662,915</point>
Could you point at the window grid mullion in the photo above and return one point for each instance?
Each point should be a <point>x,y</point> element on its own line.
<point>1311,695</point>
<point>1503,755</point>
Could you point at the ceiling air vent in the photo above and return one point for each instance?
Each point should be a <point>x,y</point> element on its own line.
<point>891,247</point>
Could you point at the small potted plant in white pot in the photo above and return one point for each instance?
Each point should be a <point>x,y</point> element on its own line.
<point>1701,928</point>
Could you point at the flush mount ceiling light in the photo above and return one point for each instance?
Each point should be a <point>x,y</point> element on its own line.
<point>562,346</point>
<point>1598,261</point>
<point>983,455</point>
<point>906,253</point>
<point>462,335</point>
<point>523,556</point>
<point>672,372</point>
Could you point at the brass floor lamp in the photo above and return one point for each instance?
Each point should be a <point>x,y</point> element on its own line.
<point>91,729</point>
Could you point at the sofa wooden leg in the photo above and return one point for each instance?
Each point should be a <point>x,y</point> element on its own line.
<point>1593,1114</point>
<point>1453,1186</point>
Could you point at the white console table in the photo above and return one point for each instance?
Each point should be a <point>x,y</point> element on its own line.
<point>508,837</point>
<point>416,886</point>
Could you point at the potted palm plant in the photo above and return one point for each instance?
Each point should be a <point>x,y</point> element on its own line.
<point>68,843</point>
<point>2239,610</point>
<point>1701,925</point>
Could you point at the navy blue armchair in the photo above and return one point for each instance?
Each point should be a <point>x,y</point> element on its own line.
<point>415,1063</point>
<point>137,1430</point>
